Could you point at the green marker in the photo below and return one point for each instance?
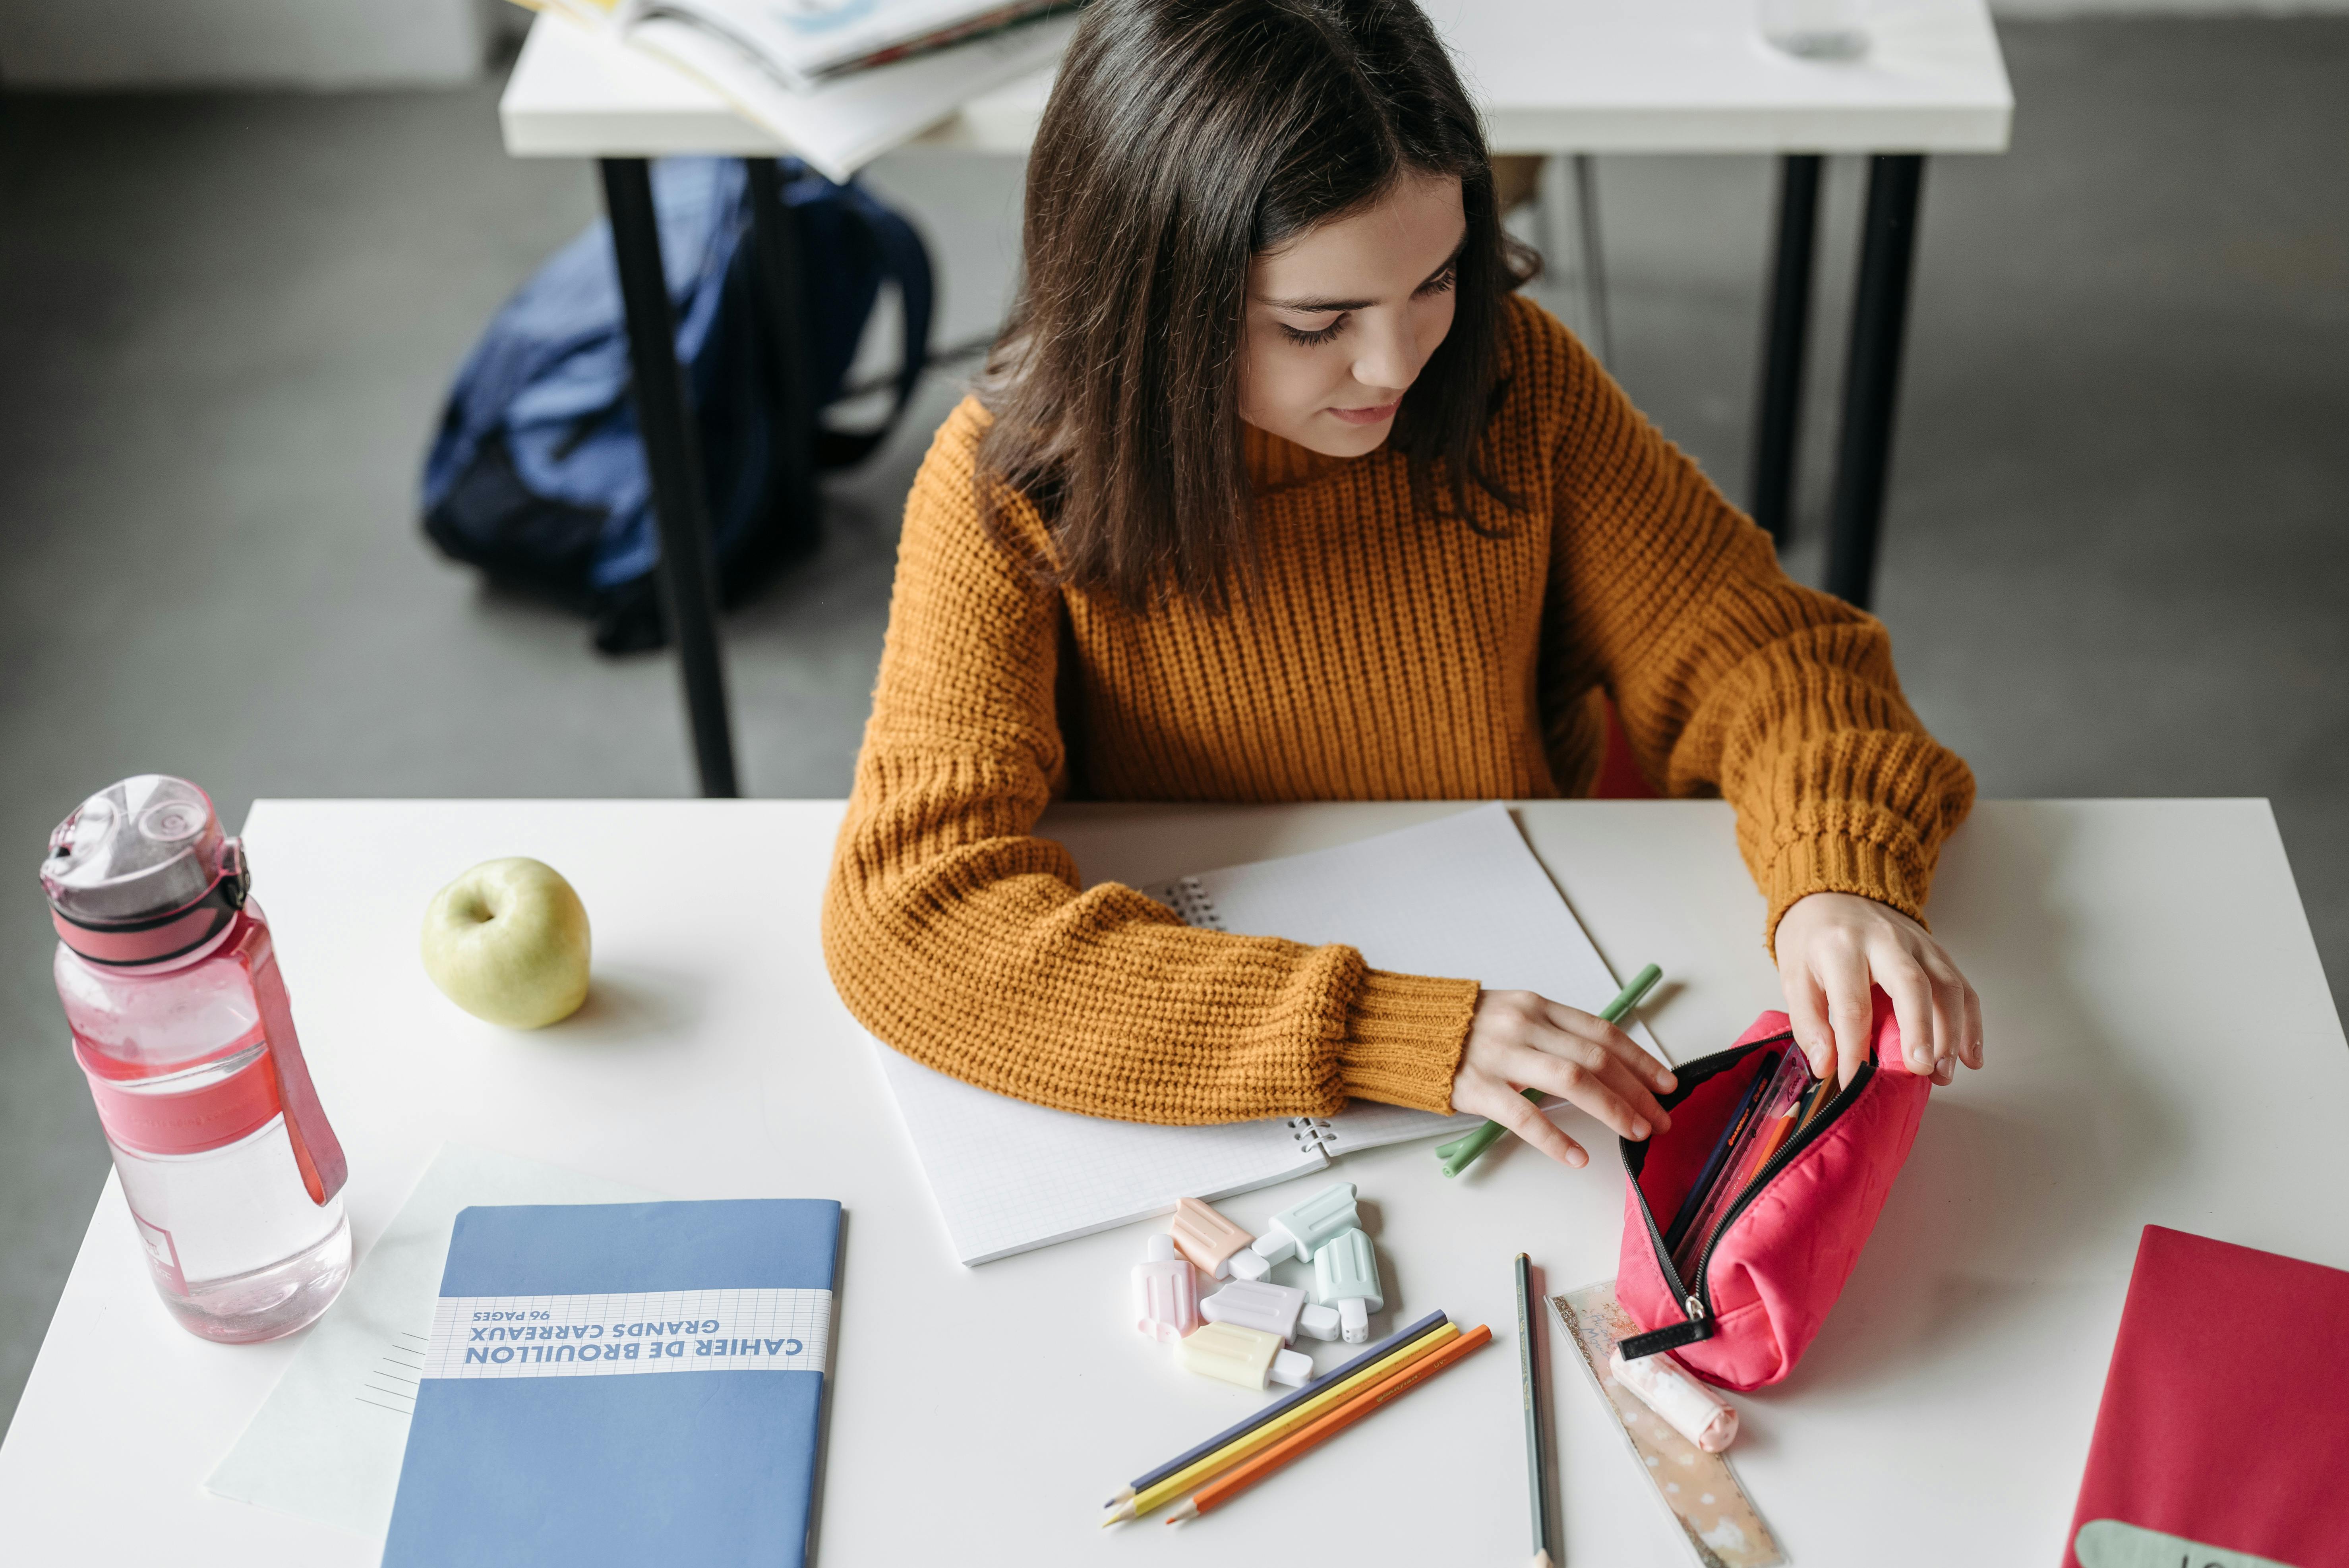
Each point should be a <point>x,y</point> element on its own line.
<point>1461,1152</point>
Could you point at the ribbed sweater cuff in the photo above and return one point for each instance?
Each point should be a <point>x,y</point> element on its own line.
<point>1403,1038</point>
<point>1829,863</point>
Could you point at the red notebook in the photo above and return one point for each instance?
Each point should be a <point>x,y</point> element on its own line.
<point>2225,1422</point>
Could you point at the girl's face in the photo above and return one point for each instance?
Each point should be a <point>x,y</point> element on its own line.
<point>1341,319</point>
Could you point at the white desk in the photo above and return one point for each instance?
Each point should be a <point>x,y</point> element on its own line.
<point>1551,76</point>
<point>2163,1048</point>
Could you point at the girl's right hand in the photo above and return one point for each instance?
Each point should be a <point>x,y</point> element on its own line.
<point>1518,1040</point>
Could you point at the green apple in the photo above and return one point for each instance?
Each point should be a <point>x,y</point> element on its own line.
<point>508,942</point>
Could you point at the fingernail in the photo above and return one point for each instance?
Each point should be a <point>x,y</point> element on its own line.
<point>1639,1127</point>
<point>1576,1158</point>
<point>1920,1063</point>
<point>1664,1081</point>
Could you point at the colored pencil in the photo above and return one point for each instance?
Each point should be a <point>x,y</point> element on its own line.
<point>1536,1442</point>
<point>1241,1448</point>
<point>1313,1435</point>
<point>1462,1152</point>
<point>1696,1192</point>
<point>1282,1405</point>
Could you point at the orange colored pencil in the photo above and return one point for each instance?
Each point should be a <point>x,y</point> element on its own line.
<point>1311,1436</point>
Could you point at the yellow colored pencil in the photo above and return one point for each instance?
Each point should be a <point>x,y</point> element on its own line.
<point>1272,1432</point>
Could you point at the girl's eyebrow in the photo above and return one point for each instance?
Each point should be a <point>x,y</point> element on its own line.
<point>1314,306</point>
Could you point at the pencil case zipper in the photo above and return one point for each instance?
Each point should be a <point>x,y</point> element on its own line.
<point>1695,1295</point>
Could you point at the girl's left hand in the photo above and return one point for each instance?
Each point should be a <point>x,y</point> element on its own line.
<point>1832,946</point>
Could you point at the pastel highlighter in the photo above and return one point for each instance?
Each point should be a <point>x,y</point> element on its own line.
<point>1275,1308</point>
<point>1165,1292</point>
<point>1247,1356</point>
<point>1216,1247</point>
<point>1687,1406</point>
<point>1346,1276</point>
<point>1295,1232</point>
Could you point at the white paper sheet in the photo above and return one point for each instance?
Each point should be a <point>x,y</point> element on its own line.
<point>328,1443</point>
<point>1460,896</point>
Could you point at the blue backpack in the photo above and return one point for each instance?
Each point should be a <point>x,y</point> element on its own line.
<point>537,474</point>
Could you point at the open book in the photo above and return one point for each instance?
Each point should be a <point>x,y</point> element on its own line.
<point>840,82</point>
<point>1461,896</point>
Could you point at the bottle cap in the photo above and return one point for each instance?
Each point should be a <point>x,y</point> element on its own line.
<point>140,872</point>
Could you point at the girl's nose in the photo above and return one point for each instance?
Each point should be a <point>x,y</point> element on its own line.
<point>1389,358</point>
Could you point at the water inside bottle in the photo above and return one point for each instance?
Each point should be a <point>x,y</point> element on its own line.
<point>259,1259</point>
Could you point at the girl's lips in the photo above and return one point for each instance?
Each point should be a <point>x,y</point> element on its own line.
<point>1368,416</point>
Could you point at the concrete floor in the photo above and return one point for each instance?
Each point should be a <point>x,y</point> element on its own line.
<point>2117,561</point>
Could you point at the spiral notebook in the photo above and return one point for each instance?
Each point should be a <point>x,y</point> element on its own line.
<point>1462,895</point>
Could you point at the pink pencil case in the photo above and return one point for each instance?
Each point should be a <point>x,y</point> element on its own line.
<point>1758,1290</point>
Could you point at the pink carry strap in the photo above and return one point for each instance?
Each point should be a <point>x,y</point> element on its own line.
<point>317,1151</point>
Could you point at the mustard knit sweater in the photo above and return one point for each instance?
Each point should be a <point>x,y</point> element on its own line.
<point>1385,656</point>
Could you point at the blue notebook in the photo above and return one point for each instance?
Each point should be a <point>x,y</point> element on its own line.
<point>622,1384</point>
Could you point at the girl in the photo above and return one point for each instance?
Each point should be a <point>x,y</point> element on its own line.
<point>1276,491</point>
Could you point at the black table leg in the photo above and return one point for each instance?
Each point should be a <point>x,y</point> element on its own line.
<point>1879,315</point>
<point>673,459</point>
<point>775,250</point>
<point>1778,418</point>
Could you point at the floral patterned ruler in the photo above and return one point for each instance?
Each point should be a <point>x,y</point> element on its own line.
<point>1723,1528</point>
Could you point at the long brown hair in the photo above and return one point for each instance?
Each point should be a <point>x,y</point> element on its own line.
<point>1184,138</point>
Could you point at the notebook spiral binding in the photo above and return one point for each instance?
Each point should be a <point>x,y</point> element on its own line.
<point>1188,898</point>
<point>1313,1131</point>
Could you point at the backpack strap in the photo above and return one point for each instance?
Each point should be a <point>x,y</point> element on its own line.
<point>905,262</point>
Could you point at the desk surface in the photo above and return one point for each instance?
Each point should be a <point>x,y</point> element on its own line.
<point>2163,1048</point>
<point>1552,76</point>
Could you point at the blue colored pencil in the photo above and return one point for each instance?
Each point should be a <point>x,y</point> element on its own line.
<point>1294,1397</point>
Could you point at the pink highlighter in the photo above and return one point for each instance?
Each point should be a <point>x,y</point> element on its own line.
<point>1165,1292</point>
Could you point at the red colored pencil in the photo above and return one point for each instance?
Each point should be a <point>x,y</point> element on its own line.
<point>1311,1436</point>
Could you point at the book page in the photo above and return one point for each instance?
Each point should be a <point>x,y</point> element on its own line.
<point>1009,1176</point>
<point>1461,897</point>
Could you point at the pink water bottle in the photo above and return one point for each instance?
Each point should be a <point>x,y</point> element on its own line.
<point>181,1023</point>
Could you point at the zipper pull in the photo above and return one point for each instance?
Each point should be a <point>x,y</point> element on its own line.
<point>1695,1309</point>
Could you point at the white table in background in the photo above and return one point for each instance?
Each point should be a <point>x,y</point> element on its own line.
<point>1552,76</point>
<point>2163,1048</point>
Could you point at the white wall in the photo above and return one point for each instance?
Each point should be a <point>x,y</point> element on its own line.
<point>239,43</point>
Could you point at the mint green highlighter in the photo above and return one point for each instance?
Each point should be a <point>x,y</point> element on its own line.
<point>1294,1233</point>
<point>1346,1276</point>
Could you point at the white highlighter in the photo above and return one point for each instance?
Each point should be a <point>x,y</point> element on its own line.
<point>1275,1308</point>
<point>1165,1292</point>
<point>1346,1276</point>
<point>1295,1232</point>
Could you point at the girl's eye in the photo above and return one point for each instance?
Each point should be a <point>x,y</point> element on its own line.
<point>1441,283</point>
<point>1321,334</point>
